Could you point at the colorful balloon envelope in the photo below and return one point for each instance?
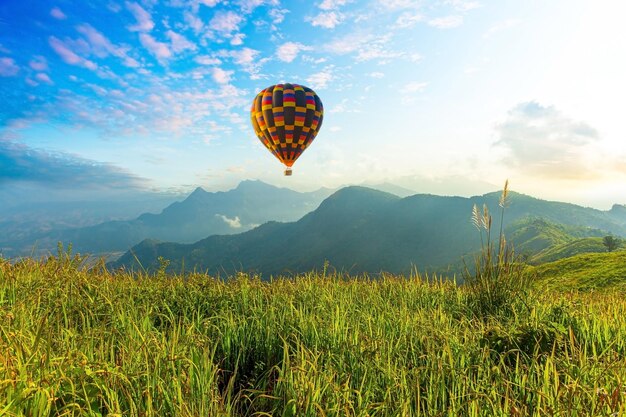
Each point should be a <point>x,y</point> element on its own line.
<point>286,118</point>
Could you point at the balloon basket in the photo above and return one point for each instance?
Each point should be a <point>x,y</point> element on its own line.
<point>288,172</point>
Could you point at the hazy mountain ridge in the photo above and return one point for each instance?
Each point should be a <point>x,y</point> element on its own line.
<point>358,229</point>
<point>199,215</point>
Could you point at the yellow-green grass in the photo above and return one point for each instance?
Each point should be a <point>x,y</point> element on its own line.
<point>587,271</point>
<point>75,342</point>
<point>568,249</point>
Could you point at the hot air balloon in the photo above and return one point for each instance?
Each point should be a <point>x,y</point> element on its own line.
<point>286,118</point>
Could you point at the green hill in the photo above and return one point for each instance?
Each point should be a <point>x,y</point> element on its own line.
<point>532,235</point>
<point>568,249</point>
<point>358,229</point>
<point>584,271</point>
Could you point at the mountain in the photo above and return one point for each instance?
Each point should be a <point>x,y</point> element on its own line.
<point>358,229</point>
<point>618,213</point>
<point>533,235</point>
<point>201,214</point>
<point>25,219</point>
<point>390,188</point>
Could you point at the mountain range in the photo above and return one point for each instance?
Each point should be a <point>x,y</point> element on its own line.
<point>201,214</point>
<point>358,229</point>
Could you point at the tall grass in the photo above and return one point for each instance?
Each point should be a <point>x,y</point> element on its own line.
<point>499,277</point>
<point>93,343</point>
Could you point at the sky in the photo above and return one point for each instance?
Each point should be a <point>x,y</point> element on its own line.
<point>438,96</point>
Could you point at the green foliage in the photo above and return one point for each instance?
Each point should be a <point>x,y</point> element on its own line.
<point>568,249</point>
<point>611,243</point>
<point>533,235</point>
<point>586,271</point>
<point>77,342</point>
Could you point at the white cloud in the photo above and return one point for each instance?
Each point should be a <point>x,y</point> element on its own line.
<point>69,56</point>
<point>409,92</point>
<point>235,222</point>
<point>225,23</point>
<point>408,19</point>
<point>463,5</point>
<point>541,141</point>
<point>8,67</point>
<point>332,4</point>
<point>346,106</point>
<point>414,87</point>
<point>277,15</point>
<point>38,63</point>
<point>221,76</point>
<point>102,47</point>
<point>159,49</point>
<point>144,19</point>
<point>194,22</point>
<point>349,43</point>
<point>247,59</point>
<point>327,20</point>
<point>376,74</point>
<point>179,42</point>
<point>377,52</point>
<point>44,78</point>
<point>57,13</point>
<point>447,22</point>
<point>320,80</point>
<point>501,26</point>
<point>248,6</point>
<point>237,39</point>
<point>207,60</point>
<point>414,57</point>
<point>399,4</point>
<point>367,47</point>
<point>287,52</point>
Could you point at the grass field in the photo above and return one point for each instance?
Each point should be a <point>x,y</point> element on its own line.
<point>586,271</point>
<point>93,343</point>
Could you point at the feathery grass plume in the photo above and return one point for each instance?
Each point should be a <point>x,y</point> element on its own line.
<point>504,197</point>
<point>499,278</point>
<point>477,218</point>
<point>486,217</point>
<point>504,203</point>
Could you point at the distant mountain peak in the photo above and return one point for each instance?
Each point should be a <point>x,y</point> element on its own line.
<point>254,185</point>
<point>356,195</point>
<point>358,190</point>
<point>198,190</point>
<point>197,194</point>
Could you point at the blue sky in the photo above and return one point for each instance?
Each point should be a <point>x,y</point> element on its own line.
<point>441,96</point>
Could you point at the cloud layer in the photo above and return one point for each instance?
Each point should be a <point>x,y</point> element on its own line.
<point>539,140</point>
<point>19,163</point>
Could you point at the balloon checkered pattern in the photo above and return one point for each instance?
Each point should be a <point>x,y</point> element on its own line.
<point>286,118</point>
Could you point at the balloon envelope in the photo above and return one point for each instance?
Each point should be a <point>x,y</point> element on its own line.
<point>286,118</point>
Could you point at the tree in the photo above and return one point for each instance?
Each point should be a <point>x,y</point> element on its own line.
<point>611,243</point>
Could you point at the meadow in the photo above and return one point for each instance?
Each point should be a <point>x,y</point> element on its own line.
<point>92,342</point>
